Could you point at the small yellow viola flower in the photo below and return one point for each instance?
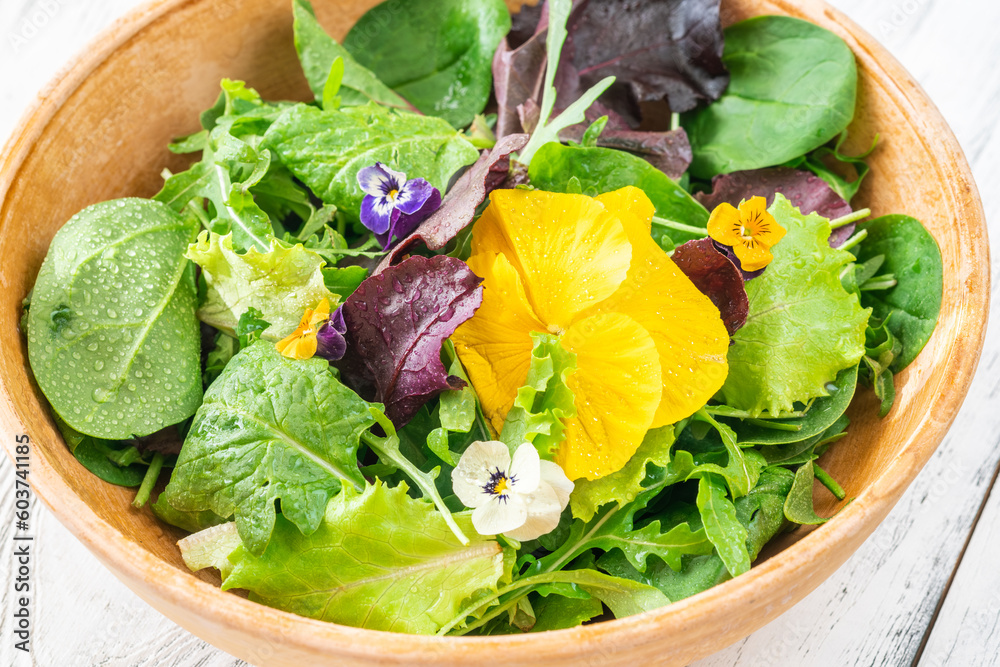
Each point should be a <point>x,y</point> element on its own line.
<point>650,348</point>
<point>301,344</point>
<point>751,231</point>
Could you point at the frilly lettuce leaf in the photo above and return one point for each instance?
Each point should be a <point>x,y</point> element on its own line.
<point>803,327</point>
<point>270,428</point>
<point>623,486</point>
<point>379,560</point>
<point>280,283</point>
<point>544,400</point>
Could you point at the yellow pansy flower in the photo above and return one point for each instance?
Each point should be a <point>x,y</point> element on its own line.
<point>751,231</point>
<point>301,344</point>
<point>651,349</point>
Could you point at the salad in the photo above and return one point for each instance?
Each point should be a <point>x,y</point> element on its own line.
<point>523,321</point>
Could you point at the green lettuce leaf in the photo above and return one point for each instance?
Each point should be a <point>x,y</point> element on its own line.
<point>326,149</point>
<point>280,283</point>
<point>544,400</point>
<point>379,560</point>
<point>623,486</point>
<point>803,327</point>
<point>112,337</point>
<point>438,54</point>
<point>270,428</point>
<point>317,52</point>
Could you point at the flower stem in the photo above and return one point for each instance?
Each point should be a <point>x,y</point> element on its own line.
<point>854,216</point>
<point>152,473</point>
<point>829,482</point>
<point>679,226</point>
<point>854,240</point>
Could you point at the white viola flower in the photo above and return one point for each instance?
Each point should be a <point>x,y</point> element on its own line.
<point>521,498</point>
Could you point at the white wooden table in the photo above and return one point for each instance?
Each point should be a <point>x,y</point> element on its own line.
<point>923,590</point>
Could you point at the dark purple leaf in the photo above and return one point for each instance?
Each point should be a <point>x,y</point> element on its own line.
<point>716,277</point>
<point>667,49</point>
<point>396,323</point>
<point>728,252</point>
<point>460,204</point>
<point>526,22</point>
<point>670,152</point>
<point>806,191</point>
<point>165,441</point>
<point>518,76</point>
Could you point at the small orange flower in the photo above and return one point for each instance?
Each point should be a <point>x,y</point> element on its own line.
<point>301,344</point>
<point>751,231</point>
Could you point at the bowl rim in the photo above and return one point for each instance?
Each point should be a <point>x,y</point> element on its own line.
<point>856,521</point>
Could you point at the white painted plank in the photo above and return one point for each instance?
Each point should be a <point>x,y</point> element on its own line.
<point>967,631</point>
<point>873,611</point>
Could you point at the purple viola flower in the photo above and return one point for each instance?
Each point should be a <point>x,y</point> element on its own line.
<point>330,341</point>
<point>394,206</point>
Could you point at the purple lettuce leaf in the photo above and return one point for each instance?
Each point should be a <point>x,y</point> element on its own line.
<point>657,50</point>
<point>716,277</point>
<point>518,74</point>
<point>806,191</point>
<point>396,323</point>
<point>460,204</point>
<point>668,151</point>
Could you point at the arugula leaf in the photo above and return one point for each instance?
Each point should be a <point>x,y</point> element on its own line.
<point>280,283</point>
<point>250,327</point>
<point>625,485</point>
<point>435,53</point>
<point>601,170</point>
<point>724,530</point>
<point>112,337</point>
<point>792,88</point>
<point>803,327</point>
<point>326,149</point>
<point>742,467</point>
<point>799,505</point>
<point>544,401</point>
<point>699,573</point>
<point>378,560</point>
<point>318,51</point>
<point>395,340</point>
<point>912,256</point>
<point>270,428</point>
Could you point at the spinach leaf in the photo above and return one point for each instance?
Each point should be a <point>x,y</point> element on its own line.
<point>912,256</point>
<point>803,327</point>
<point>601,170</point>
<point>318,51</point>
<point>96,455</point>
<point>378,560</point>
<point>192,522</point>
<point>112,337</point>
<point>270,428</point>
<point>435,53</point>
<point>792,88</point>
<point>326,149</point>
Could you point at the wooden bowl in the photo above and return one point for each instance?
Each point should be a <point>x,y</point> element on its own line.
<point>101,132</point>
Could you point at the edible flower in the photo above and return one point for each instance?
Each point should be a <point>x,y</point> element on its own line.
<point>750,231</point>
<point>302,343</point>
<point>521,498</point>
<point>394,206</point>
<point>650,348</point>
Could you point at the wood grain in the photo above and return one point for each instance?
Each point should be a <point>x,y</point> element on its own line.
<point>841,609</point>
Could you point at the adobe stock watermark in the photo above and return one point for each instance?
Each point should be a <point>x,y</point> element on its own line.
<point>898,16</point>
<point>38,16</point>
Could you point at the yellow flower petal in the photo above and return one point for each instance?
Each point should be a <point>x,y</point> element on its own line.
<point>690,337</point>
<point>569,252</point>
<point>495,345</point>
<point>759,224</point>
<point>617,387</point>
<point>753,256</point>
<point>725,225</point>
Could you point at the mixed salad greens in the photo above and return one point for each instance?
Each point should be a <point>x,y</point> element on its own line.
<point>417,366</point>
